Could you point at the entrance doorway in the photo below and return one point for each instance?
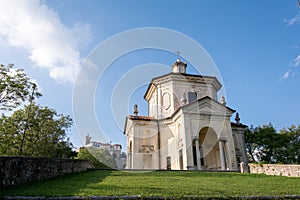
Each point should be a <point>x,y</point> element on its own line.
<point>209,149</point>
<point>180,160</point>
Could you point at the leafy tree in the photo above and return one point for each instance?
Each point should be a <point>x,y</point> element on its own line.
<point>268,136</point>
<point>15,87</point>
<point>295,144</point>
<point>35,131</point>
<point>252,146</point>
<point>264,144</point>
<point>290,151</point>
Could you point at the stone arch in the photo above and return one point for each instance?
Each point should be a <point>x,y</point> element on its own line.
<point>209,150</point>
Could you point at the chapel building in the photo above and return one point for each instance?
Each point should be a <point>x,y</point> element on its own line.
<point>187,128</point>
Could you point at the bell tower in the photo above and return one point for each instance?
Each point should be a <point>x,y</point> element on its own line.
<point>179,67</point>
<point>167,93</point>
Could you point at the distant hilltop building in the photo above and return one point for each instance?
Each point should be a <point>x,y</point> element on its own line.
<point>115,151</point>
<point>112,148</point>
<point>187,128</point>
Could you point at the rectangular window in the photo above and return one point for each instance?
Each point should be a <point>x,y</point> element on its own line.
<point>202,161</point>
<point>195,155</point>
<point>180,159</point>
<point>169,163</point>
<point>201,156</point>
<point>192,96</point>
<point>238,160</point>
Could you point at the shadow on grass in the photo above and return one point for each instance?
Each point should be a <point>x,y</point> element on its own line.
<point>71,184</point>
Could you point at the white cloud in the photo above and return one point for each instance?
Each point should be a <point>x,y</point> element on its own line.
<point>293,20</point>
<point>296,61</point>
<point>286,75</point>
<point>32,25</point>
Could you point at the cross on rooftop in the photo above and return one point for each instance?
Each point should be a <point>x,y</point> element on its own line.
<point>178,53</point>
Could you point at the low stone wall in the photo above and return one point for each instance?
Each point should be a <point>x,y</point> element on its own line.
<point>19,170</point>
<point>276,169</point>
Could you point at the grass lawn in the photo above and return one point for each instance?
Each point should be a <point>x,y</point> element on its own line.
<point>160,183</point>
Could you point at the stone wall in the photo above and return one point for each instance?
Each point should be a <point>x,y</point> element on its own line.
<point>19,170</point>
<point>275,169</point>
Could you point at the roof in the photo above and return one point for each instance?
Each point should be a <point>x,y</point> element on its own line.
<point>181,74</point>
<point>201,99</point>
<point>207,97</point>
<point>142,118</point>
<point>240,125</point>
<point>146,118</point>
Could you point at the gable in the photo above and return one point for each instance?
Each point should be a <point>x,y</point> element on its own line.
<point>207,105</point>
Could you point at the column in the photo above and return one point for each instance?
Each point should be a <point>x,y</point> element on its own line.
<point>228,155</point>
<point>198,154</point>
<point>129,161</point>
<point>133,157</point>
<point>187,143</point>
<point>221,155</point>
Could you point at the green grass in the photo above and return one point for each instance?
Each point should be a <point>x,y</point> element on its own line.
<point>161,183</point>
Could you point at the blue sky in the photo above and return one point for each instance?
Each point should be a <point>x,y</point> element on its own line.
<point>254,44</point>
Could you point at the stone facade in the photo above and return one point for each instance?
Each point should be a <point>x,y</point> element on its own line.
<point>20,170</point>
<point>275,169</point>
<point>187,128</point>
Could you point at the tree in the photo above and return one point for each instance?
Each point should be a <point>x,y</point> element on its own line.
<point>33,130</point>
<point>45,132</point>
<point>251,142</point>
<point>295,144</point>
<point>260,143</point>
<point>15,87</point>
<point>264,144</point>
<point>290,152</point>
<point>269,141</point>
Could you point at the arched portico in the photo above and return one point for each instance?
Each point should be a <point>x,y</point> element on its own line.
<point>209,152</point>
